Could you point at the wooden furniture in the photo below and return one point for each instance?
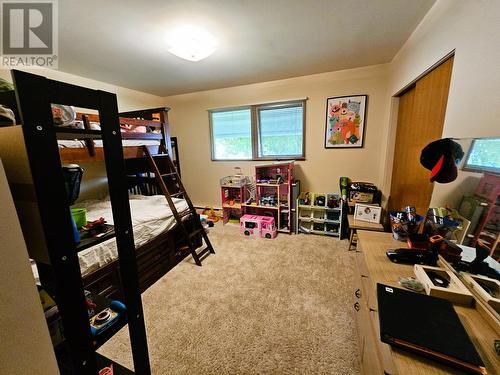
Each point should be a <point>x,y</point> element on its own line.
<point>322,215</point>
<point>34,169</point>
<point>354,225</point>
<point>175,154</point>
<point>372,267</point>
<point>233,191</point>
<point>154,119</point>
<point>172,187</point>
<point>455,292</point>
<point>154,258</point>
<point>273,184</point>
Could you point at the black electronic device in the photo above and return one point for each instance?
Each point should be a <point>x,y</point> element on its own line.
<point>438,280</point>
<point>412,256</point>
<point>426,325</point>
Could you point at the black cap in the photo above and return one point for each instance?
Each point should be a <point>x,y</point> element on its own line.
<point>441,158</point>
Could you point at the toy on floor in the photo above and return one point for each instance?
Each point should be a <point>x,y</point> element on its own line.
<point>107,370</point>
<point>262,226</point>
<point>209,211</point>
<point>107,317</point>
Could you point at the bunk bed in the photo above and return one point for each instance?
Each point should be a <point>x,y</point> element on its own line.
<point>158,248</point>
<point>33,161</point>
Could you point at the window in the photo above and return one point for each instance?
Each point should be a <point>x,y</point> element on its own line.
<point>258,132</point>
<point>231,134</point>
<point>484,155</point>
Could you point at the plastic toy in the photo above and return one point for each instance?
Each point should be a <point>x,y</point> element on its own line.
<point>262,226</point>
<point>107,317</point>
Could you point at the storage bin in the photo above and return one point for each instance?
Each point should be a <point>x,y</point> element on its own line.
<point>80,217</point>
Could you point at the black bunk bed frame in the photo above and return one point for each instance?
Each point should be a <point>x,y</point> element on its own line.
<point>34,96</point>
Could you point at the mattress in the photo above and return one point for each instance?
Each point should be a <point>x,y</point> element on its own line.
<point>151,216</point>
<point>98,143</point>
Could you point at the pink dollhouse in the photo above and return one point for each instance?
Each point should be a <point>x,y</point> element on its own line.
<point>262,226</point>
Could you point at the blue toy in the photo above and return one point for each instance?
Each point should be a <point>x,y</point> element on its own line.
<point>107,317</point>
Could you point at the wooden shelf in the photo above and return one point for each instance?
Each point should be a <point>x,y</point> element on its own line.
<point>236,206</point>
<point>281,193</point>
<point>103,337</point>
<point>257,206</point>
<point>85,243</point>
<point>99,340</point>
<point>274,185</point>
<point>71,133</point>
<point>320,208</point>
<point>139,136</point>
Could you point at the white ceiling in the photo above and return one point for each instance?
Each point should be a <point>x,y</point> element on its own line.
<point>122,42</point>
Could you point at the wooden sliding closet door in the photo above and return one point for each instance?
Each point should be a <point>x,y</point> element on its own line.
<point>420,121</point>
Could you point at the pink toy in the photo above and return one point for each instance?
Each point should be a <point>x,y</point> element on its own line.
<point>262,226</point>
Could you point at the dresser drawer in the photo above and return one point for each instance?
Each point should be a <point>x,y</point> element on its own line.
<point>361,263</point>
<point>384,352</point>
<point>361,317</point>
<point>370,361</point>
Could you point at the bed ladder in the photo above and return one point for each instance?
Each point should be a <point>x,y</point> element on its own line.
<point>174,182</point>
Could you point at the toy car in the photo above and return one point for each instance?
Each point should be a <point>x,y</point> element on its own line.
<point>262,226</point>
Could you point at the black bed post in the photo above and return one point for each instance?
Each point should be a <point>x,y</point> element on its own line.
<point>117,182</point>
<point>165,129</point>
<point>34,99</point>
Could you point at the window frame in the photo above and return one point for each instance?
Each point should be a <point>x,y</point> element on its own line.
<point>255,129</point>
<point>470,167</point>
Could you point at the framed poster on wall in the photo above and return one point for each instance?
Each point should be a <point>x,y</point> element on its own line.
<point>345,121</point>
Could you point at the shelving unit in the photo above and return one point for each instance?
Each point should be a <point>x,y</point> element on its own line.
<point>273,194</point>
<point>319,213</point>
<point>35,165</point>
<point>233,196</point>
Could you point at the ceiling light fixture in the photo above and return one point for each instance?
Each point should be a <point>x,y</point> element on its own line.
<point>191,43</point>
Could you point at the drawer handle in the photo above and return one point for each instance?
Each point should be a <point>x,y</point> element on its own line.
<point>357,293</point>
<point>356,306</point>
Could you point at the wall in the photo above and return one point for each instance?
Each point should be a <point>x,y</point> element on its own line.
<point>471,29</point>
<point>322,167</point>
<point>26,348</point>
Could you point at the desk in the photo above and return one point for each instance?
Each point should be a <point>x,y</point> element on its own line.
<point>363,225</point>
<point>372,267</point>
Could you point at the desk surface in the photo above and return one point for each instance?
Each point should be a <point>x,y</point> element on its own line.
<point>358,224</point>
<point>371,250</point>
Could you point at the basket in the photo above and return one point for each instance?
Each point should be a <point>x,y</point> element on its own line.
<point>402,227</point>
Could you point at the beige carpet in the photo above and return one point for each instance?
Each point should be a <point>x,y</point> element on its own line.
<point>257,306</point>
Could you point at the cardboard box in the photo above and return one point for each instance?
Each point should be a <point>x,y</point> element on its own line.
<point>455,292</point>
<point>478,284</point>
